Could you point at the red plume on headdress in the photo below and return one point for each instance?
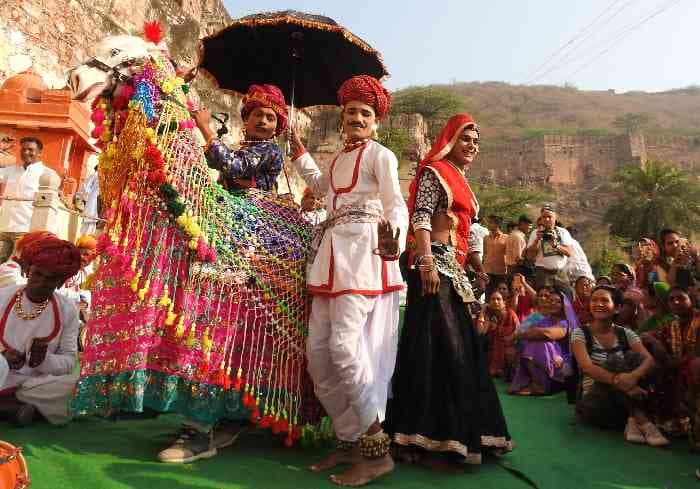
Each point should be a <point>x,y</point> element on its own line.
<point>153,32</point>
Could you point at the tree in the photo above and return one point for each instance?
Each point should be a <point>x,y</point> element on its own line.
<point>435,104</point>
<point>632,122</point>
<point>396,139</point>
<point>651,198</point>
<point>509,203</point>
<point>604,250</point>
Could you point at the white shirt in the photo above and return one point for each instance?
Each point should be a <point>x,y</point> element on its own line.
<point>62,353</point>
<point>546,256</point>
<point>477,233</point>
<point>21,183</point>
<point>89,192</point>
<point>11,274</point>
<point>577,265</point>
<point>345,263</point>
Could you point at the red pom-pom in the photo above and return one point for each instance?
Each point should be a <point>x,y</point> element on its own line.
<point>288,441</point>
<point>153,32</point>
<point>276,428</point>
<point>266,422</point>
<point>227,383</point>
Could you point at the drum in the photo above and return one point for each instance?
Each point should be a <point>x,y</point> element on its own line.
<point>13,467</point>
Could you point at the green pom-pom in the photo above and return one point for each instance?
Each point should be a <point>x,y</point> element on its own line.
<point>176,208</point>
<point>173,126</point>
<point>185,89</point>
<point>169,191</point>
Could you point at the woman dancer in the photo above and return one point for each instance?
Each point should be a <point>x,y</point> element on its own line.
<point>444,399</point>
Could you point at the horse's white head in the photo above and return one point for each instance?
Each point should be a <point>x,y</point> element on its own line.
<point>115,59</point>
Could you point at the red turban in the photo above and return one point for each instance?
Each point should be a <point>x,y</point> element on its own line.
<point>50,253</point>
<point>270,97</point>
<point>29,238</point>
<point>368,90</point>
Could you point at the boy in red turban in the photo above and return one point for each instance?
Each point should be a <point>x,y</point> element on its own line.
<point>355,280</point>
<point>39,332</point>
<point>259,160</point>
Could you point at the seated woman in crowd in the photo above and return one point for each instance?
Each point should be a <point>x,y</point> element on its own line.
<point>631,313</point>
<point>623,278</point>
<point>615,367</point>
<point>686,266</point>
<point>583,288</point>
<point>522,297</point>
<point>648,269</point>
<point>603,280</point>
<point>500,323</point>
<point>674,347</point>
<point>543,360</point>
<point>655,303</point>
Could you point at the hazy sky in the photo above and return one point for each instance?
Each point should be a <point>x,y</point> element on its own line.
<point>425,41</point>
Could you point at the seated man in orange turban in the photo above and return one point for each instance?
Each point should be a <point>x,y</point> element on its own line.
<point>39,332</point>
<point>259,160</point>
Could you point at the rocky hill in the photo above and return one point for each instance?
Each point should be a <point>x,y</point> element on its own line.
<point>517,111</point>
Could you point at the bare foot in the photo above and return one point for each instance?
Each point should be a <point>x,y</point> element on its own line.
<point>364,471</point>
<point>336,458</point>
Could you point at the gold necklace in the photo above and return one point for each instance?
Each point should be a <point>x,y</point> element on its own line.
<point>28,316</point>
<point>462,171</point>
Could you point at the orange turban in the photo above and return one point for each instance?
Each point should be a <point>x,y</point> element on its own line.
<point>50,253</point>
<point>268,96</point>
<point>87,242</point>
<point>368,90</point>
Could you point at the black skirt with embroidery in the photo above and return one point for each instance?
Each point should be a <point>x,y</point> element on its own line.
<point>443,397</point>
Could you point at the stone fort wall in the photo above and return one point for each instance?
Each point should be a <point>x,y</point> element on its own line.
<point>576,160</point>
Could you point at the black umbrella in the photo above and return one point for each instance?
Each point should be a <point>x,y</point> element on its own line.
<point>307,56</point>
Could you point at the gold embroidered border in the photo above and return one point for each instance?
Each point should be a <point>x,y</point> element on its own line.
<point>453,445</point>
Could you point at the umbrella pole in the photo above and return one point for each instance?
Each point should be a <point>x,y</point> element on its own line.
<point>291,121</point>
<point>296,38</point>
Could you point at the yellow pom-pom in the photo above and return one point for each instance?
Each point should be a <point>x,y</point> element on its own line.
<point>135,282</point>
<point>150,133</point>
<point>191,337</point>
<point>193,244</point>
<point>170,318</point>
<point>180,328</point>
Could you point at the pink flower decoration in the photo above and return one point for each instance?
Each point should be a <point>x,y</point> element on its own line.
<point>97,132</point>
<point>98,115</point>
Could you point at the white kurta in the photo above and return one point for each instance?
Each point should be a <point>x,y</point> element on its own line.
<point>345,263</point>
<point>49,385</point>
<point>21,183</point>
<point>353,328</point>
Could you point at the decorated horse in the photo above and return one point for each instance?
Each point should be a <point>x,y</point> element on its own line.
<point>199,301</point>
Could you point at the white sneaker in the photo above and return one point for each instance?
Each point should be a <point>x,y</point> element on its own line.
<point>632,433</point>
<point>653,436</point>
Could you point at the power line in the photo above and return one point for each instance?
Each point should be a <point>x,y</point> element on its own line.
<point>571,55</point>
<point>626,33</point>
<point>572,40</point>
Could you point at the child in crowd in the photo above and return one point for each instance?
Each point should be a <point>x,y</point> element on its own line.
<point>501,322</point>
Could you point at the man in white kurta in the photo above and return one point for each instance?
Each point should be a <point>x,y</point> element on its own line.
<point>38,340</point>
<point>21,183</point>
<point>353,328</point>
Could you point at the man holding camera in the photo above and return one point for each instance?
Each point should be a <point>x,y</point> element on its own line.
<point>549,247</point>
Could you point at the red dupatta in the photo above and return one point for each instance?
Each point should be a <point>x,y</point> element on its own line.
<point>462,205</point>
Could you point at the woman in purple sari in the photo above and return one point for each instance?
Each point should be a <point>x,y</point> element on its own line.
<point>544,357</point>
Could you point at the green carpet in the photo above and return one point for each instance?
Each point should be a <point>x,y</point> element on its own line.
<point>551,450</point>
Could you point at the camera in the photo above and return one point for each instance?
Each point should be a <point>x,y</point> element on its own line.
<point>548,235</point>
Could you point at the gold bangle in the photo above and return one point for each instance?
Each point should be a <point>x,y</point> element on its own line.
<point>210,139</point>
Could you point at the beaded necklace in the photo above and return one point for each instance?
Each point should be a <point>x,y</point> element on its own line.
<point>355,144</point>
<point>17,298</point>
